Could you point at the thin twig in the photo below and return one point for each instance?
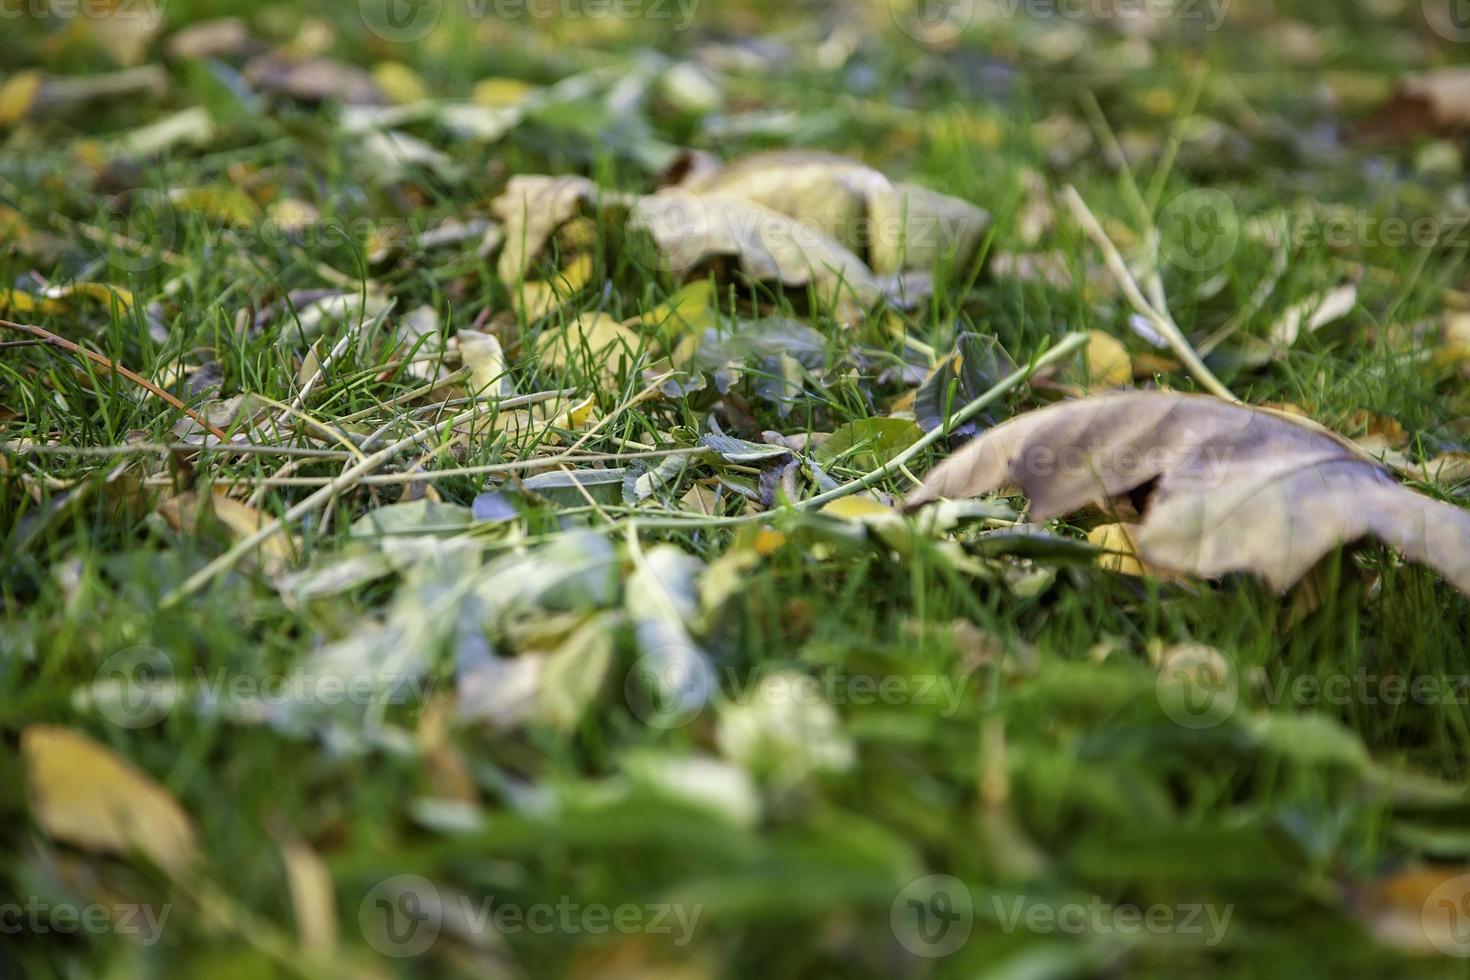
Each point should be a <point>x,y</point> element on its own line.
<point>428,476</point>
<point>1160,319</point>
<point>166,448</point>
<point>137,379</point>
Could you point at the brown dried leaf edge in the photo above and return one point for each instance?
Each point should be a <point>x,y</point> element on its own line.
<point>1229,488</point>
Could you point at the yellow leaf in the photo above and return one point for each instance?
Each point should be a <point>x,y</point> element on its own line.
<point>1454,340</point>
<point>83,794</point>
<point>1108,364</point>
<point>19,301</point>
<point>498,93</point>
<point>17,95</point>
<point>400,83</point>
<point>536,299</point>
<point>857,509</point>
<point>224,203</point>
<point>482,354</point>
<point>767,541</point>
<point>593,342</point>
<point>689,309</point>
<point>1120,553</point>
<point>99,291</point>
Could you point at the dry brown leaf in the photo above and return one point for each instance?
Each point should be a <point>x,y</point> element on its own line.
<point>83,794</point>
<point>531,209</point>
<point>1231,488</point>
<point>1419,909</point>
<point>690,229</point>
<point>899,226</point>
<point>183,511</point>
<point>313,80</point>
<point>1430,102</point>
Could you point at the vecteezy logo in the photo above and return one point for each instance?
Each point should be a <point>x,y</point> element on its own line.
<point>1196,687</point>
<point>135,688</point>
<point>933,916</point>
<point>932,21</point>
<point>401,21</point>
<point>1446,917</point>
<point>139,229</point>
<point>1201,230</point>
<point>1449,18</point>
<point>669,685</point>
<point>401,916</point>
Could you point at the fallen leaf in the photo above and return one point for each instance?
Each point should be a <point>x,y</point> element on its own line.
<point>869,443</point>
<point>897,226</point>
<point>531,209</point>
<point>1108,364</point>
<point>689,229</point>
<point>1119,552</point>
<point>400,83</point>
<point>593,343</point>
<point>17,96</point>
<point>1435,101</point>
<point>313,80</point>
<point>574,674</point>
<point>242,520</point>
<point>482,354</point>
<point>1314,313</point>
<point>535,299</point>
<point>212,39</point>
<point>312,897</point>
<point>83,794</point>
<point>1231,488</point>
<point>1454,349</point>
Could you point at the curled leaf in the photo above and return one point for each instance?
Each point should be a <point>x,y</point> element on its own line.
<point>1228,488</point>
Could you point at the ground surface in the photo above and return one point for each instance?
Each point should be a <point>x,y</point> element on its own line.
<point>537,738</point>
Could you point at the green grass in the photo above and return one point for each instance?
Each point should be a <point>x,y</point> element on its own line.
<point>1059,775</point>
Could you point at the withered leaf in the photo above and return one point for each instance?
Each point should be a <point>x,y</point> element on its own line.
<point>691,228</point>
<point>1233,488</point>
<point>897,226</point>
<point>531,209</point>
<point>84,794</point>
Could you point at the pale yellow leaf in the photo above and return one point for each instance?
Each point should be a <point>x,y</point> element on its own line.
<point>83,794</point>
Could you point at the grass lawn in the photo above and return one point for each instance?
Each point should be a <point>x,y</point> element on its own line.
<point>596,641</point>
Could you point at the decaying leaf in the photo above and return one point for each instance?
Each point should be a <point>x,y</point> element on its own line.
<point>1229,488</point>
<point>313,80</point>
<point>795,220</point>
<point>1429,102</point>
<point>83,794</point>
<point>531,209</point>
<point>897,226</point>
<point>689,229</point>
<point>593,343</point>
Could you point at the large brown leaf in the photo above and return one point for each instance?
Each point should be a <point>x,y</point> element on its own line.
<point>1232,488</point>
